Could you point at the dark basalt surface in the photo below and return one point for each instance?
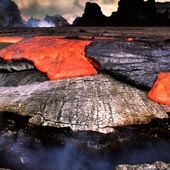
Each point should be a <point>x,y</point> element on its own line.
<point>8,79</point>
<point>17,73</point>
<point>137,63</point>
<point>23,146</point>
<point>12,66</point>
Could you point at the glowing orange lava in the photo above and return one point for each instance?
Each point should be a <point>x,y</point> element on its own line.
<point>130,39</point>
<point>59,58</point>
<point>11,39</point>
<point>160,91</point>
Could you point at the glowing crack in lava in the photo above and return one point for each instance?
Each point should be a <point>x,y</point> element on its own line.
<point>13,39</point>
<point>59,58</point>
<point>160,91</point>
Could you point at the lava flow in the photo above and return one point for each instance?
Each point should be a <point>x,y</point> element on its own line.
<point>59,58</point>
<point>12,39</point>
<point>160,92</point>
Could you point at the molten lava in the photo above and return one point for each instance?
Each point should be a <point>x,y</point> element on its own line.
<point>59,58</point>
<point>13,39</point>
<point>161,89</point>
<point>130,39</point>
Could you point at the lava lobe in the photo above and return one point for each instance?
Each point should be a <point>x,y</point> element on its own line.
<point>160,91</point>
<point>59,58</point>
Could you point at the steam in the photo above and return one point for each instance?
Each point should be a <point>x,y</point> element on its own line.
<point>19,150</point>
<point>68,9</point>
<point>71,157</point>
<point>45,24</point>
<point>32,22</point>
<point>28,153</point>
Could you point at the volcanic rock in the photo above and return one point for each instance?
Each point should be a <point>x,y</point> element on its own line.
<point>57,20</point>
<point>92,16</point>
<point>136,63</point>
<point>15,65</point>
<point>33,22</point>
<point>96,103</point>
<point>18,78</point>
<point>138,12</point>
<point>130,13</point>
<point>10,14</point>
<point>154,166</point>
<point>17,73</point>
<point>163,7</point>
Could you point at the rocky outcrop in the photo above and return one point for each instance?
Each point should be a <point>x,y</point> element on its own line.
<point>154,166</point>
<point>9,79</point>
<point>57,20</point>
<point>135,63</point>
<point>138,12</point>
<point>10,14</point>
<point>163,7</point>
<point>92,16</point>
<point>33,22</point>
<point>130,13</point>
<point>96,103</point>
<point>9,66</point>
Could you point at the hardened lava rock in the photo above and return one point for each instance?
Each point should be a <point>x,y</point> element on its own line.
<point>134,62</point>
<point>155,166</point>
<point>95,103</point>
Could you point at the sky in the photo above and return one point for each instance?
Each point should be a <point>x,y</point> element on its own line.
<point>69,9</point>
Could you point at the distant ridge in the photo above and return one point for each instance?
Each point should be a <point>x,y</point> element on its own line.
<point>49,21</point>
<point>129,13</point>
<point>10,16</point>
<point>57,20</point>
<point>163,7</point>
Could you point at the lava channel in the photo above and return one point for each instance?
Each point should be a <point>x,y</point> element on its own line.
<point>58,58</point>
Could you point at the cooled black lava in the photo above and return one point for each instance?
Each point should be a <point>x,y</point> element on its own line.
<point>25,147</point>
